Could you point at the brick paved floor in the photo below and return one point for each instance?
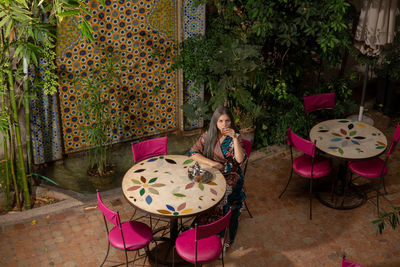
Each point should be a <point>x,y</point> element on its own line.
<point>280,234</point>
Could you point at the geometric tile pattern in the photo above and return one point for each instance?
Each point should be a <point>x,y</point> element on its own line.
<point>45,128</point>
<point>142,36</point>
<point>194,23</point>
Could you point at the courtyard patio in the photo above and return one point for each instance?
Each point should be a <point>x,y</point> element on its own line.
<point>279,234</point>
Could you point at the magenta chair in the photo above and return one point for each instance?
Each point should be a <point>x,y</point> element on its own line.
<point>126,236</point>
<point>203,244</point>
<point>149,148</point>
<point>347,263</point>
<point>146,149</point>
<point>375,168</point>
<point>247,148</point>
<point>308,165</point>
<point>318,102</point>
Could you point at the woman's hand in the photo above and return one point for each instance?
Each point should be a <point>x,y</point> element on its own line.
<point>218,166</point>
<point>229,132</point>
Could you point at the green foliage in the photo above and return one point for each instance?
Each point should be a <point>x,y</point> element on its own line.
<point>263,56</point>
<point>50,78</point>
<point>289,111</point>
<point>77,9</point>
<point>390,64</point>
<point>390,218</point>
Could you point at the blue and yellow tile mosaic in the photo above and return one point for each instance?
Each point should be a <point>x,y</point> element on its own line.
<point>142,34</point>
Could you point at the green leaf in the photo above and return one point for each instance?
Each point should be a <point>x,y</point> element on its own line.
<point>201,186</point>
<point>142,191</point>
<point>152,180</point>
<point>179,195</point>
<point>8,29</point>
<point>188,161</point>
<point>4,20</point>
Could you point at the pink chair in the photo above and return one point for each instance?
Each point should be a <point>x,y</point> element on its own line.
<point>247,148</point>
<point>347,263</point>
<point>375,168</point>
<point>307,165</point>
<point>318,102</point>
<point>149,148</point>
<point>202,244</point>
<point>127,236</point>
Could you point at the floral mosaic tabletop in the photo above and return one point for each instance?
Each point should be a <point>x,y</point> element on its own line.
<point>348,139</point>
<point>160,185</point>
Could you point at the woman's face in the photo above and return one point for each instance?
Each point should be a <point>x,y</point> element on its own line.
<point>223,122</point>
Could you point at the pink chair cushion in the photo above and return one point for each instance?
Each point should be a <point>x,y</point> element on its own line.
<point>370,168</point>
<point>347,263</point>
<point>302,165</point>
<point>136,235</point>
<point>208,249</point>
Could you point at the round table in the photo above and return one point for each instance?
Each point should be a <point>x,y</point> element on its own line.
<point>347,140</point>
<point>160,186</point>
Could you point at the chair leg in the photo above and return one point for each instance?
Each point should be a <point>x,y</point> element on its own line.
<point>377,201</point>
<point>108,250</point>
<point>384,187</point>
<point>126,257</point>
<point>247,208</point>
<point>310,196</point>
<point>222,258</point>
<point>290,178</point>
<point>173,256</point>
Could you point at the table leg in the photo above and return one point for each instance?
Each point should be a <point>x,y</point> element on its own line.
<point>165,246</point>
<point>342,194</point>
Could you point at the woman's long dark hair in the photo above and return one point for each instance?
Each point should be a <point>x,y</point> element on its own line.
<point>212,133</point>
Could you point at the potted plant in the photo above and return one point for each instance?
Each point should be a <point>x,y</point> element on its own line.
<point>95,112</point>
<point>246,121</point>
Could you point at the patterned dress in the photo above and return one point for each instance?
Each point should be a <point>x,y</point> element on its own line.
<point>234,196</point>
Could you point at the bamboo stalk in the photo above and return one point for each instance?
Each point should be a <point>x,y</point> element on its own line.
<point>7,173</point>
<point>28,143</point>
<point>13,176</point>
<point>21,163</point>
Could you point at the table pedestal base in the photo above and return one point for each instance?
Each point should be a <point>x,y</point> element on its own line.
<point>342,199</point>
<point>164,255</point>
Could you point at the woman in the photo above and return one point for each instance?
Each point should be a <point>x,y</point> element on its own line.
<point>221,147</point>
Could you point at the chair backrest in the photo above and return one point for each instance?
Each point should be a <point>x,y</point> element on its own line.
<point>110,215</point>
<point>347,263</point>
<point>319,101</point>
<point>395,140</point>
<point>149,148</point>
<point>204,231</point>
<point>247,146</point>
<point>305,146</point>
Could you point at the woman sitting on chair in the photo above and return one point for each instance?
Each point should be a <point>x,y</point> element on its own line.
<point>221,147</point>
